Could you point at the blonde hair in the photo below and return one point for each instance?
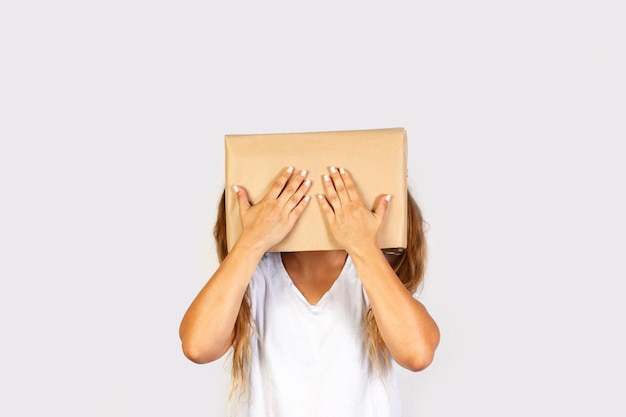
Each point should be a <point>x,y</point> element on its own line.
<point>409,265</point>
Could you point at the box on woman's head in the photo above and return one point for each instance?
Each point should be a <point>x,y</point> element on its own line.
<point>375,158</point>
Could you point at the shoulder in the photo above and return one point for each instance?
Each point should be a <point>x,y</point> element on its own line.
<point>265,269</point>
<point>263,282</point>
<point>268,263</point>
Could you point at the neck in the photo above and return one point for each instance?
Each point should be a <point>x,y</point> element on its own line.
<point>315,260</point>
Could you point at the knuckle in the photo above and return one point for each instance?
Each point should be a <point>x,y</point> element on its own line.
<point>295,199</point>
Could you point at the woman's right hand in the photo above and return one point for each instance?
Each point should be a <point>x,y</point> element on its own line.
<point>206,330</point>
<point>267,222</point>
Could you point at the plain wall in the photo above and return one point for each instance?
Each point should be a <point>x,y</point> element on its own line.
<point>112,116</point>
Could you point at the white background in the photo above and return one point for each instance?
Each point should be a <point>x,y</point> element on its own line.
<point>112,116</point>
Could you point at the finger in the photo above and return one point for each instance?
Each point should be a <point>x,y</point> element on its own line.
<point>381,207</point>
<point>340,187</point>
<point>299,209</point>
<point>298,195</point>
<point>351,189</point>
<point>292,186</point>
<point>242,198</point>
<point>327,209</point>
<point>331,194</point>
<point>279,183</point>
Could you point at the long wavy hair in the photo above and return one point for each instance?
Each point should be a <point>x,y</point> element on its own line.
<point>409,265</point>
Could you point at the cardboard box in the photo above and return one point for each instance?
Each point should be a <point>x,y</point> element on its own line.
<point>376,158</point>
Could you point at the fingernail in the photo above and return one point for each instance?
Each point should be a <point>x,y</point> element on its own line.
<point>388,197</point>
<point>326,178</point>
<point>333,170</point>
<point>320,196</point>
<point>290,170</point>
<point>307,198</point>
<point>235,188</point>
<point>307,183</point>
<point>342,171</point>
<point>303,172</point>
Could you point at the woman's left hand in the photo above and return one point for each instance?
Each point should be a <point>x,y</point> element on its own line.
<point>351,222</point>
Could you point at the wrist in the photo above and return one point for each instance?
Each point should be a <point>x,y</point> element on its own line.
<point>364,250</point>
<point>251,244</point>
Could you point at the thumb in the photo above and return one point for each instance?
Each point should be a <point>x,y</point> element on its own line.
<point>242,198</point>
<point>381,207</point>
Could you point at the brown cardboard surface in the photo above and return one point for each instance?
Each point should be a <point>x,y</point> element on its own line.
<point>376,158</point>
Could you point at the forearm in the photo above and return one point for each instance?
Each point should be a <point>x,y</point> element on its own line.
<point>405,325</point>
<point>207,326</point>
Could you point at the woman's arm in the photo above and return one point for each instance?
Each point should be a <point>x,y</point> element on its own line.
<point>207,326</point>
<point>408,330</point>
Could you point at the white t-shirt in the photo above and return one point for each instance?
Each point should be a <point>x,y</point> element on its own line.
<point>311,360</point>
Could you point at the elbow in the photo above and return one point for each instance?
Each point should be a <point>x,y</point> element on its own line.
<point>195,355</point>
<point>201,349</point>
<point>201,355</point>
<point>421,358</point>
<point>418,363</point>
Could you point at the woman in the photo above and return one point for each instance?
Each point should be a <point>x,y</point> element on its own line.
<point>313,333</point>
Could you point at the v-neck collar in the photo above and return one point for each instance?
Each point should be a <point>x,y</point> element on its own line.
<point>285,276</point>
